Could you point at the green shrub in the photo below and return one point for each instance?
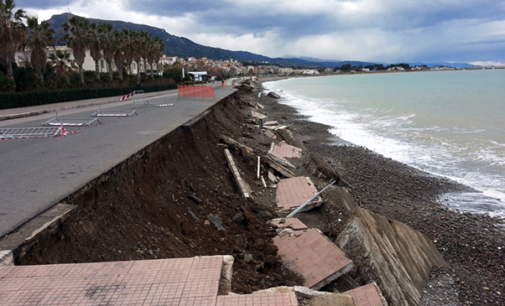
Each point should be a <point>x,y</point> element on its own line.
<point>6,84</point>
<point>44,96</point>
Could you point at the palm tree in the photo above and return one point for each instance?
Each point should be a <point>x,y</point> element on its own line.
<point>108,46</point>
<point>154,54</point>
<point>145,40</point>
<point>40,36</point>
<point>94,32</point>
<point>128,48</point>
<point>119,43</point>
<point>12,33</point>
<point>138,47</point>
<point>62,63</point>
<point>76,39</point>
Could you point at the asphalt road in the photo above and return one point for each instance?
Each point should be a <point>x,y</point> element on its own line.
<point>36,174</point>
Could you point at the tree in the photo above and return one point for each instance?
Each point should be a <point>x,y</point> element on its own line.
<point>119,42</point>
<point>346,67</point>
<point>108,46</point>
<point>128,48</point>
<point>94,33</point>
<point>153,56</point>
<point>12,34</point>
<point>76,39</point>
<point>39,38</point>
<point>62,64</point>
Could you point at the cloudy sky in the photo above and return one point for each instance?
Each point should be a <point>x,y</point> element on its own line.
<point>471,31</point>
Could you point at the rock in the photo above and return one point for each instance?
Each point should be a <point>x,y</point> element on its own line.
<point>238,218</point>
<point>273,95</point>
<point>288,137</point>
<point>195,199</point>
<point>248,257</point>
<point>259,244</point>
<point>317,166</point>
<point>270,259</point>
<point>398,258</point>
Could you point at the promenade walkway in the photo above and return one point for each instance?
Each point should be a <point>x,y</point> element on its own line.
<point>38,173</point>
<point>181,281</point>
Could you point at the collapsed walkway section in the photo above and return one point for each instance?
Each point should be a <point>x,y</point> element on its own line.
<point>310,253</point>
<point>180,281</point>
<point>293,192</point>
<point>393,255</point>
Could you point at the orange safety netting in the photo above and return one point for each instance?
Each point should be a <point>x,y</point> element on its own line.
<point>195,91</point>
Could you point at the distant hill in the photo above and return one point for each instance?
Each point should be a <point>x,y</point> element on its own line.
<point>183,47</point>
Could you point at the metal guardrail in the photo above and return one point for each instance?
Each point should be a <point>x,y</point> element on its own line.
<point>71,122</point>
<point>30,132</point>
<point>112,113</point>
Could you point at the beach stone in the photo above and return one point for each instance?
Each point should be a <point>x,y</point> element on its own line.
<point>273,95</point>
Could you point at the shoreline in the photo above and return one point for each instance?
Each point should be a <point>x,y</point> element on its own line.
<point>476,198</point>
<point>471,244</point>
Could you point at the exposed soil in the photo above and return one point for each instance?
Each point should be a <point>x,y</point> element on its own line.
<point>148,208</point>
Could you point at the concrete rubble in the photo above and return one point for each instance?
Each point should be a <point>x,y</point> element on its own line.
<point>310,253</point>
<point>391,258</point>
<point>293,192</point>
<point>396,257</point>
<point>368,295</point>
<point>283,150</point>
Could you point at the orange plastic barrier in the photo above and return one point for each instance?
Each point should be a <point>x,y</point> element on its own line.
<point>195,91</point>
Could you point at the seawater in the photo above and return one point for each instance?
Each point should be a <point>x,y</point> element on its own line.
<point>448,123</point>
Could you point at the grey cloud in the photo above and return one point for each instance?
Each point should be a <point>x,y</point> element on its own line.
<point>44,4</point>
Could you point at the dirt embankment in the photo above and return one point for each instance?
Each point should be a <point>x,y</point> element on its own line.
<point>157,205</point>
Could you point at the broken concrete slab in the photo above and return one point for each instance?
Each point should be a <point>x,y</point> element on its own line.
<point>317,166</point>
<point>258,115</point>
<point>233,143</point>
<point>270,134</point>
<point>338,206</point>
<point>6,258</point>
<point>260,299</point>
<point>284,150</point>
<point>368,295</point>
<point>226,275</point>
<point>311,254</point>
<point>289,138</point>
<point>41,229</point>
<point>271,177</point>
<point>312,297</point>
<point>271,123</point>
<point>292,223</point>
<point>293,192</point>
<point>278,167</point>
<point>241,184</point>
<point>398,258</point>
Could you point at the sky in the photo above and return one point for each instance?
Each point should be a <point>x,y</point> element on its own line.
<point>385,31</point>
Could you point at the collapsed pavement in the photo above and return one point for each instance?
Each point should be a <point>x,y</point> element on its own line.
<point>190,176</point>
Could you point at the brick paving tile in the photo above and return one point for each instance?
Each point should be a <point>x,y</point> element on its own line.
<point>293,223</point>
<point>184,281</point>
<point>293,192</point>
<point>311,254</point>
<point>283,150</point>
<point>260,299</point>
<point>365,295</point>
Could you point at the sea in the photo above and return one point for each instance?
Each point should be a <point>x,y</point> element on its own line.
<point>447,123</point>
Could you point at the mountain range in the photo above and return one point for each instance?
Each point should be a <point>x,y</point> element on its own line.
<point>183,47</point>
